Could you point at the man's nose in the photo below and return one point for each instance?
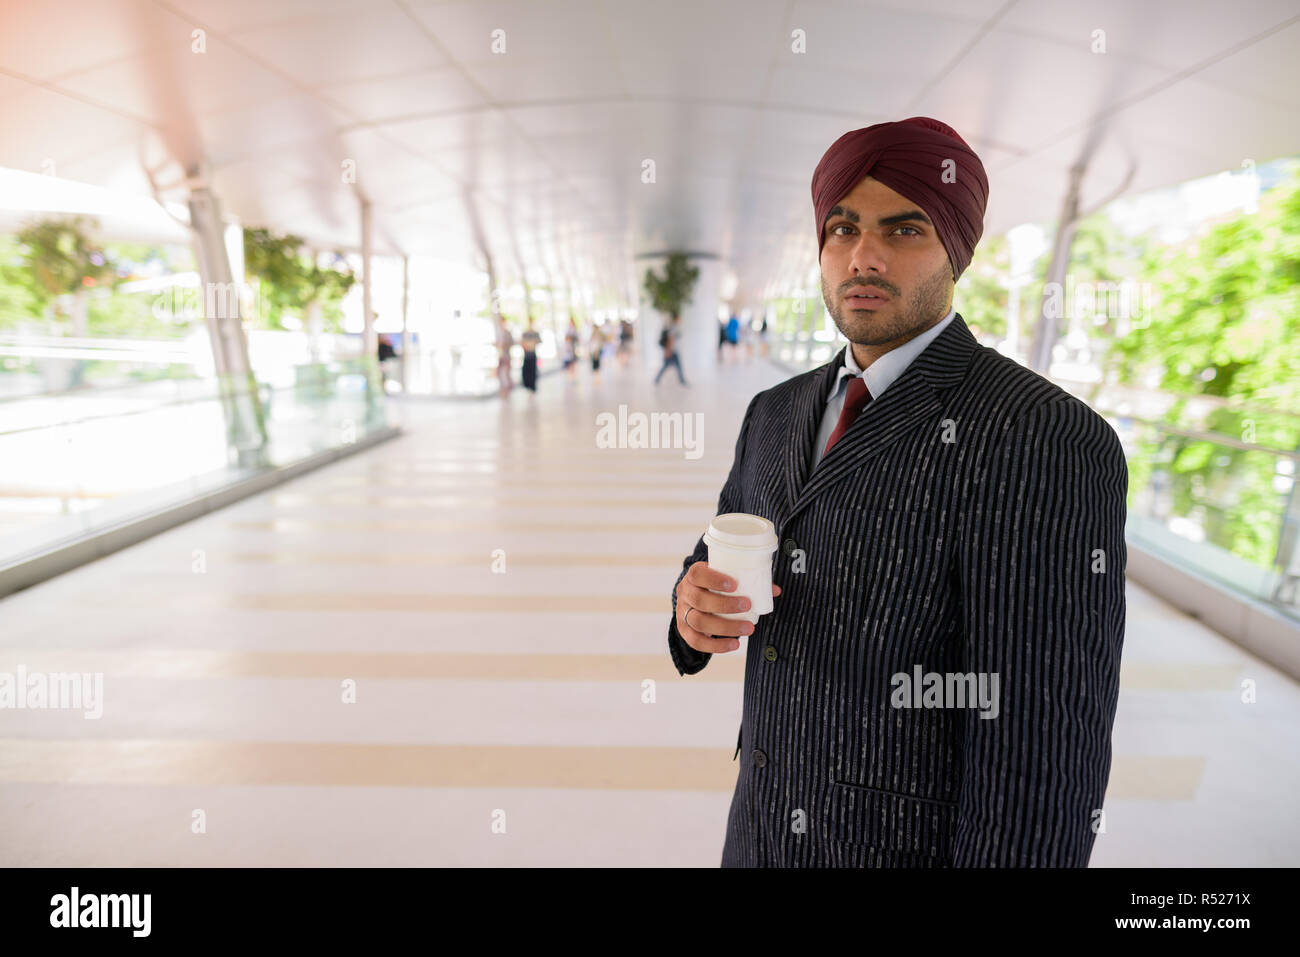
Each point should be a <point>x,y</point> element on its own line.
<point>869,255</point>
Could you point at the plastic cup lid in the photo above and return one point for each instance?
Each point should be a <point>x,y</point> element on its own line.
<point>742,530</point>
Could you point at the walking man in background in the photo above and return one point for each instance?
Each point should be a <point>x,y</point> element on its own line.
<point>669,339</point>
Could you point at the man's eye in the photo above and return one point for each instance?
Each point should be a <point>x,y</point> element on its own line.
<point>838,227</point>
<point>914,229</point>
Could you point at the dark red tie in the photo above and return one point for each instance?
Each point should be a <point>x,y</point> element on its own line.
<point>855,399</point>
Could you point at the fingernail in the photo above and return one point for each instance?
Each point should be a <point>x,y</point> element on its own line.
<point>731,584</point>
<point>744,604</point>
<point>734,645</point>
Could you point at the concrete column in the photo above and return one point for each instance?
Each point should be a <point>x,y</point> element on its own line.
<point>240,402</point>
<point>1048,329</point>
<point>406,301</point>
<point>370,347</point>
<point>370,341</point>
<point>700,323</point>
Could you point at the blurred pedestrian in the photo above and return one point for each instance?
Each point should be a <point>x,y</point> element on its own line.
<point>530,340</point>
<point>571,348</point>
<point>595,343</point>
<point>669,339</point>
<point>624,342</point>
<point>387,357</point>
<point>505,341</point>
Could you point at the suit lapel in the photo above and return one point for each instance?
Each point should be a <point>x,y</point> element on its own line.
<point>804,419</point>
<point>914,396</point>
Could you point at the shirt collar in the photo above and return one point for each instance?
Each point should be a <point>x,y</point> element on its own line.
<point>882,373</point>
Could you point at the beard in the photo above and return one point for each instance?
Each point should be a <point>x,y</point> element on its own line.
<point>899,318</point>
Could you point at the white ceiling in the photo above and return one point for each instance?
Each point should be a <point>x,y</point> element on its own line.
<point>544,144</point>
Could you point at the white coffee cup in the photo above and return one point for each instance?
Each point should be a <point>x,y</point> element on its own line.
<point>741,546</point>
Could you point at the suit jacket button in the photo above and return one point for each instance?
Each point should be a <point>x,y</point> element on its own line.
<point>769,653</point>
<point>789,547</point>
<point>760,759</point>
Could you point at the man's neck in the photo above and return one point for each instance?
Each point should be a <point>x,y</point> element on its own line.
<point>864,355</point>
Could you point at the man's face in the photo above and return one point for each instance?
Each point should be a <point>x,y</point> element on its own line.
<point>880,242</point>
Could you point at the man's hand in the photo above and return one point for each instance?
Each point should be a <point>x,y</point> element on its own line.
<point>696,600</point>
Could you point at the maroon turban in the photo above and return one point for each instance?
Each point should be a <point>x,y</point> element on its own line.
<point>909,157</point>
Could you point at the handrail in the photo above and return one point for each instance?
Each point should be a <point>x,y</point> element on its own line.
<point>159,406</point>
<point>14,339</point>
<point>1216,438</point>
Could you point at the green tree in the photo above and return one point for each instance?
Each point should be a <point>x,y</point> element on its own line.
<point>64,260</point>
<point>20,299</point>
<point>291,281</point>
<point>1226,327</point>
<point>982,297</point>
<point>672,291</point>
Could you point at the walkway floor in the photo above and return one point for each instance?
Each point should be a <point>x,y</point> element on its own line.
<point>500,716</point>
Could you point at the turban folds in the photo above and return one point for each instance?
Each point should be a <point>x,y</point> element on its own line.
<point>910,157</point>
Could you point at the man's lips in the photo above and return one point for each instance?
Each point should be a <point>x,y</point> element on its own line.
<point>870,295</point>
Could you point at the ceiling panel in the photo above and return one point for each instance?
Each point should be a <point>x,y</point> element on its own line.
<point>989,87</point>
<point>521,79</point>
<point>41,125</point>
<point>1264,71</point>
<point>367,44</point>
<point>57,37</point>
<point>1168,34</point>
<point>230,15</point>
<point>406,96</point>
<point>562,30</point>
<point>269,127</point>
<point>157,84</point>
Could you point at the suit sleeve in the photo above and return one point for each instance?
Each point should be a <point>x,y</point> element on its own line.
<point>1041,565</point>
<point>687,659</point>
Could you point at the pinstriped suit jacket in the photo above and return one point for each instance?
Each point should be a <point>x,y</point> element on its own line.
<point>970,521</point>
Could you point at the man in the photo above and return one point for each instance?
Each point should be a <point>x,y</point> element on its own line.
<point>387,358</point>
<point>938,681</point>
<point>530,340</point>
<point>669,339</point>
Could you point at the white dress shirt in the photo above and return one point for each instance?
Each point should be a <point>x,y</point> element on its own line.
<point>878,376</point>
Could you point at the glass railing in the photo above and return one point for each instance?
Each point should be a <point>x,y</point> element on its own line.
<point>77,463</point>
<point>1213,503</point>
<point>1217,505</point>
